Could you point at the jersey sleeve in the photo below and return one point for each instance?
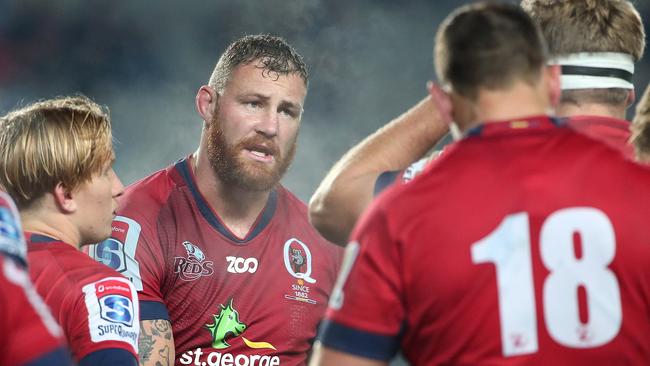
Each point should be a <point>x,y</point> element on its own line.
<point>133,251</point>
<point>29,331</point>
<point>366,314</point>
<point>105,316</point>
<point>388,178</point>
<point>12,241</point>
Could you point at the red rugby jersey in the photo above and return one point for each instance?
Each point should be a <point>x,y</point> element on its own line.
<point>30,333</point>
<point>96,306</point>
<point>612,131</point>
<point>523,244</point>
<point>272,286</point>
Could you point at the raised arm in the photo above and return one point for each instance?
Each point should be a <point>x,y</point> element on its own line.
<point>348,188</point>
<point>156,344</point>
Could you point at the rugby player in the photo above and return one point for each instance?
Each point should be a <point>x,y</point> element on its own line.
<point>227,266</point>
<point>56,161</point>
<point>596,42</point>
<point>515,246</point>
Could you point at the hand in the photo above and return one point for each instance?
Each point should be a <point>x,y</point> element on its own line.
<point>442,102</point>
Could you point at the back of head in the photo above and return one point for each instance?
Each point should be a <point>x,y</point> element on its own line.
<point>488,45</point>
<point>64,140</point>
<point>274,53</point>
<point>596,41</point>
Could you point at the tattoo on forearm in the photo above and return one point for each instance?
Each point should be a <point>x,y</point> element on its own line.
<point>163,327</point>
<point>145,346</point>
<point>164,356</point>
<point>151,333</point>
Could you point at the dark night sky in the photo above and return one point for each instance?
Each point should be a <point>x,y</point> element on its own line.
<point>369,61</point>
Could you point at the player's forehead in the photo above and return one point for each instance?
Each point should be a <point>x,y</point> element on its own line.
<point>253,79</point>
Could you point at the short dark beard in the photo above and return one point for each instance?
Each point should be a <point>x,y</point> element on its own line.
<point>224,159</point>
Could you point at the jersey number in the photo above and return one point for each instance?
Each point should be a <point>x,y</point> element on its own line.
<point>508,247</point>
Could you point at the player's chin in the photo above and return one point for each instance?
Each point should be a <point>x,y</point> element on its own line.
<point>261,179</point>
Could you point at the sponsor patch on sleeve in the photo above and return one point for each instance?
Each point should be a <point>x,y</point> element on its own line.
<point>11,234</point>
<point>113,311</point>
<point>118,251</point>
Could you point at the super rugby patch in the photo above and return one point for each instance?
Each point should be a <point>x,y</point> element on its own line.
<point>113,311</point>
<point>11,234</point>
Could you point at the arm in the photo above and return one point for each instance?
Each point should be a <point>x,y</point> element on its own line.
<point>348,188</point>
<point>31,336</point>
<point>324,356</point>
<point>156,344</point>
<point>109,357</point>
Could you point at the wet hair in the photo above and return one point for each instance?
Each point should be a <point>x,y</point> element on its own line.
<point>274,54</point>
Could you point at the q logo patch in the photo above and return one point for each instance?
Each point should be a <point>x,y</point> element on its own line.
<point>297,260</point>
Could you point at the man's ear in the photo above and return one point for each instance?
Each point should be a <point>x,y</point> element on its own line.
<point>553,73</point>
<point>206,101</point>
<point>631,97</point>
<point>64,198</point>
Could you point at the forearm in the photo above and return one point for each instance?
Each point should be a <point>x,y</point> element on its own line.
<point>156,343</point>
<point>323,356</point>
<point>348,187</point>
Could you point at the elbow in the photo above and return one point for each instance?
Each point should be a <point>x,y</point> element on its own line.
<point>329,223</point>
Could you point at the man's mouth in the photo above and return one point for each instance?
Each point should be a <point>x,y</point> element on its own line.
<point>261,153</point>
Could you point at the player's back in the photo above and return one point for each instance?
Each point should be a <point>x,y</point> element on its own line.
<point>525,245</point>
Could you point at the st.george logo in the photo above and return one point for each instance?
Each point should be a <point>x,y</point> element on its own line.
<point>116,309</point>
<point>241,265</point>
<point>226,326</point>
<point>194,265</point>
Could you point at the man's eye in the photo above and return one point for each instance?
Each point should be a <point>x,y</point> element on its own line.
<point>288,113</point>
<point>253,104</point>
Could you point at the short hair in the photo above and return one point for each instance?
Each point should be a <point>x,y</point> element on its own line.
<point>488,45</point>
<point>275,54</point>
<point>641,127</point>
<point>63,140</point>
<point>571,26</point>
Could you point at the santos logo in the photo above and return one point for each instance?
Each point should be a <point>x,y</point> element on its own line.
<point>241,265</point>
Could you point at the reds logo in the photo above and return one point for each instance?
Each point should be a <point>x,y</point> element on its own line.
<point>194,265</point>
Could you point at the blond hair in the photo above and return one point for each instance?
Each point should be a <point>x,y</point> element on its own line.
<point>63,140</point>
<point>575,26</point>
<point>641,127</point>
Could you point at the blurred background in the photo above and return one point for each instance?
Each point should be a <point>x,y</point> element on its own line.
<point>369,61</point>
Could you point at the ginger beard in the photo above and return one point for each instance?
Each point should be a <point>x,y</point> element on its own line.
<point>234,169</point>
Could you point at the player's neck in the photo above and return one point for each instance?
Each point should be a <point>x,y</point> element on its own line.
<point>520,100</point>
<point>590,109</point>
<point>237,208</point>
<point>51,224</point>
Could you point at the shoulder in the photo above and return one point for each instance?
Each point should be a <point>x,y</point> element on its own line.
<point>292,203</point>
<point>295,213</point>
<point>76,267</point>
<point>612,131</point>
<point>149,192</point>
